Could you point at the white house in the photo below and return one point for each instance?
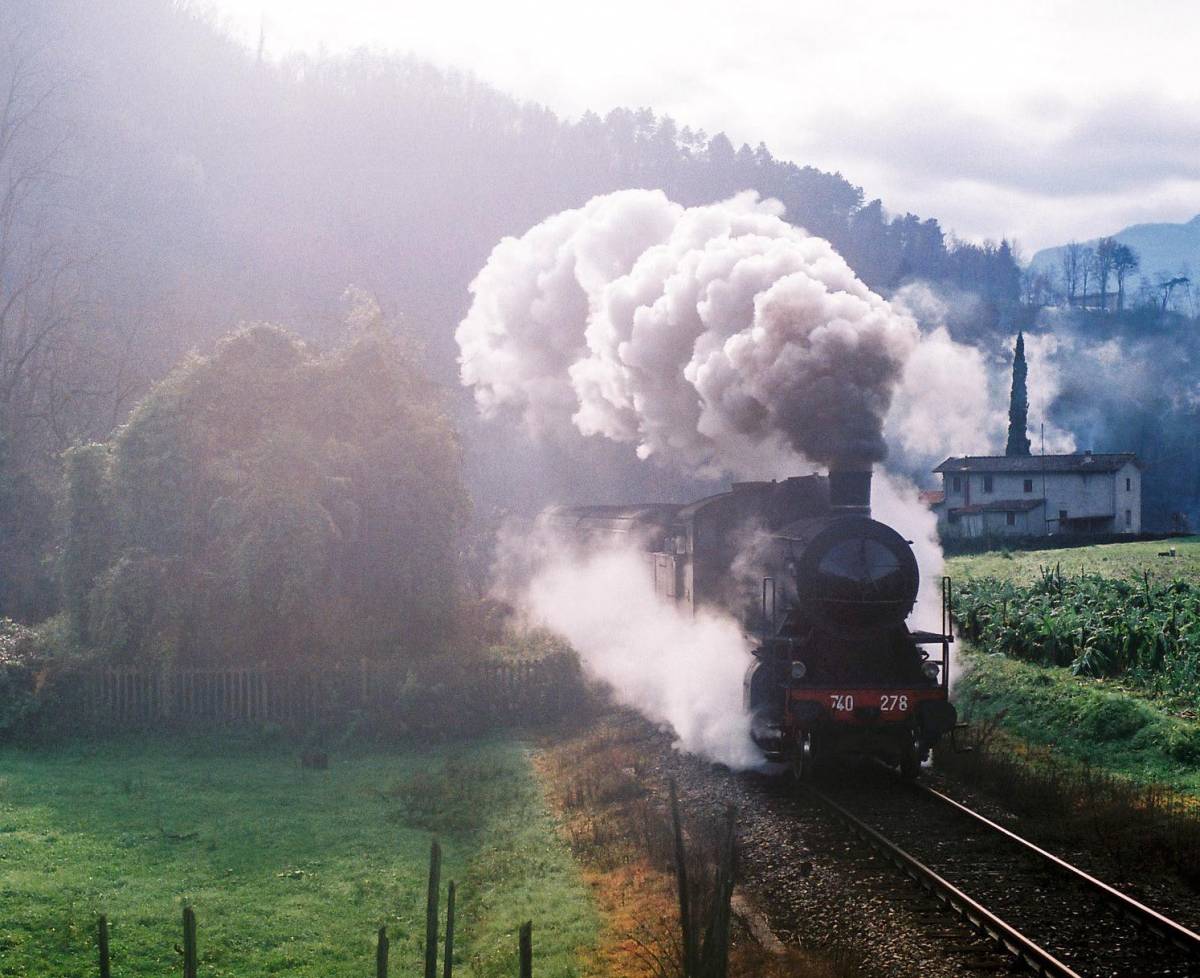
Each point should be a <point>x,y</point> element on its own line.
<point>1035,495</point>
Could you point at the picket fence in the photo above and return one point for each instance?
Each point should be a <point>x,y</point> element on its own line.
<point>293,695</point>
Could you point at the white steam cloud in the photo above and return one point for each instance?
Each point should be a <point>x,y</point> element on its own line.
<point>715,338</point>
<point>953,397</point>
<point>719,340</point>
<point>673,668</point>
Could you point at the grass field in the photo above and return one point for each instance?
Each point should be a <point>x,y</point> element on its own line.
<point>1106,723</point>
<point>1094,722</point>
<point>1110,559</point>
<point>290,871</point>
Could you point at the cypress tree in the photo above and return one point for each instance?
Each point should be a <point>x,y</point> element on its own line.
<point>1018,405</point>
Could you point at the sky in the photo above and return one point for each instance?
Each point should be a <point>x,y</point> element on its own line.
<point>1036,121</point>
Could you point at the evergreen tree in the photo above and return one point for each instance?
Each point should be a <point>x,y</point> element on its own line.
<point>1018,405</point>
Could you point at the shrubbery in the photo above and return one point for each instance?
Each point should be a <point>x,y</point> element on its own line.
<point>1143,631</point>
<point>269,502</point>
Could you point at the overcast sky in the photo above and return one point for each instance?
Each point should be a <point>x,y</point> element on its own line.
<point>1039,121</point>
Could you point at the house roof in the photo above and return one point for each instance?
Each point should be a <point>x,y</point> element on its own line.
<point>931,497</point>
<point>1080,462</point>
<point>1001,506</point>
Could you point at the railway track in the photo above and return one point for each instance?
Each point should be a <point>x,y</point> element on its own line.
<point>1052,917</point>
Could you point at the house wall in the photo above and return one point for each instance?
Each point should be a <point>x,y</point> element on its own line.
<point>1080,494</point>
<point>991,524</point>
<point>1130,499</point>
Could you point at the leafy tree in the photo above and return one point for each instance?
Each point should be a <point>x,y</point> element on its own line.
<point>1018,405</point>
<point>90,541</point>
<point>268,502</point>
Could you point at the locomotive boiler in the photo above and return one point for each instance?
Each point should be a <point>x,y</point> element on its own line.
<point>826,592</point>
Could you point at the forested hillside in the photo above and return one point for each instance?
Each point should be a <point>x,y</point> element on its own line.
<point>160,184</point>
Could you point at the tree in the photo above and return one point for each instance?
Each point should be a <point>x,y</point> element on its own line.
<point>274,499</point>
<point>1125,260</point>
<point>1106,249</point>
<point>1087,271</point>
<point>1166,285</point>
<point>1072,269</point>
<point>1018,405</point>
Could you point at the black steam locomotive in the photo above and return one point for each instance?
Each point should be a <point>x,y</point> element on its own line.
<point>826,588</point>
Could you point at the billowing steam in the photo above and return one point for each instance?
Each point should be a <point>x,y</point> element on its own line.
<point>674,669</point>
<point>717,338</point>
<point>953,397</point>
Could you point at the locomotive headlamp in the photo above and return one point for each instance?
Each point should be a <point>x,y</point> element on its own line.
<point>799,670</point>
<point>931,669</point>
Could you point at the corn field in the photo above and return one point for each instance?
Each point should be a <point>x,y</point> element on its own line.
<point>1142,631</point>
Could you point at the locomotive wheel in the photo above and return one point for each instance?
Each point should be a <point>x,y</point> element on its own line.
<point>804,758</point>
<point>910,759</point>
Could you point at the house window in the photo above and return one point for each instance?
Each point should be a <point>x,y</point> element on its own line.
<point>987,483</point>
<point>1062,516</point>
<point>1129,517</point>
<point>1128,485</point>
<point>1010,519</point>
<point>956,484</point>
<point>1029,485</point>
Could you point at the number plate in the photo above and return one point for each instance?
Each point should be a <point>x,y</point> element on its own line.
<point>889,703</point>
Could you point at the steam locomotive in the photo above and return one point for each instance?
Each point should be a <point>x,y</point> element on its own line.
<point>826,589</point>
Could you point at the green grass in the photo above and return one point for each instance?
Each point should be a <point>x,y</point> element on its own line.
<point>1090,721</point>
<point>290,871</point>
<point>1110,560</point>
<point>1106,723</point>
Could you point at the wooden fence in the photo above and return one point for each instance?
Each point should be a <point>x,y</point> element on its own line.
<point>294,696</point>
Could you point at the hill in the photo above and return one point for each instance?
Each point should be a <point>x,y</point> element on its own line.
<point>161,184</point>
<point>1163,250</point>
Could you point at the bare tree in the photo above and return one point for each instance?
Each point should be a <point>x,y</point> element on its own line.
<point>1087,271</point>
<point>61,377</point>
<point>1105,260</point>
<point>1072,269</point>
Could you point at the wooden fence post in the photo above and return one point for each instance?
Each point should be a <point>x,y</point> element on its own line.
<point>381,954</point>
<point>431,910</point>
<point>102,940</point>
<point>189,943</point>
<point>448,961</point>
<point>685,917</point>
<point>526,946</point>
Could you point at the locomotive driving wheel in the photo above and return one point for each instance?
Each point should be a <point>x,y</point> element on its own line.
<point>804,758</point>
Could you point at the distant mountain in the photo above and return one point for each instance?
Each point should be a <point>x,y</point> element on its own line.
<point>1166,249</point>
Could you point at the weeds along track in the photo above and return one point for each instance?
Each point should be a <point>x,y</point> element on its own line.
<point>1056,919</point>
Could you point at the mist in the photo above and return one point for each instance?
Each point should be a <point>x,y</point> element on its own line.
<point>681,671</point>
<point>711,340</point>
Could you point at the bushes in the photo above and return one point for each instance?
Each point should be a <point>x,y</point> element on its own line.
<point>269,502</point>
<point>38,672</point>
<point>1143,631</point>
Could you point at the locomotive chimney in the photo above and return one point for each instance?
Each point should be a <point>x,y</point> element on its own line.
<point>850,487</point>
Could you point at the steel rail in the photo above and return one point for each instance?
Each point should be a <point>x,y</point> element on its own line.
<point>1154,921</point>
<point>977,916</point>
